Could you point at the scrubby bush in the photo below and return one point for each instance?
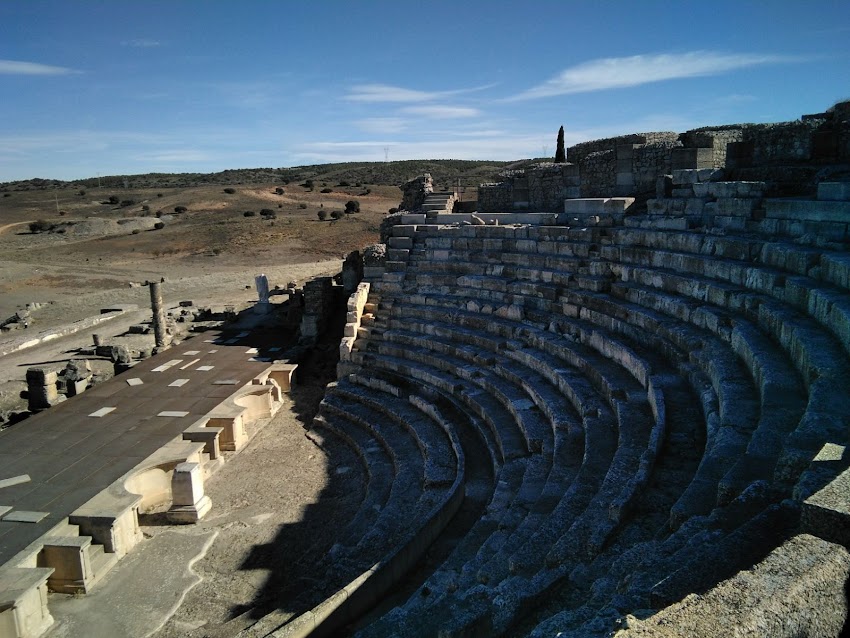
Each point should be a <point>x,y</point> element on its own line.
<point>352,206</point>
<point>159,225</point>
<point>308,184</point>
<point>114,199</point>
<point>127,202</point>
<point>249,213</point>
<point>230,191</point>
<point>180,209</point>
<point>302,206</point>
<point>280,205</point>
<point>336,214</point>
<point>136,231</point>
<point>40,226</point>
<point>159,194</point>
<point>392,211</point>
<point>82,193</point>
<point>7,194</point>
<point>268,213</point>
<point>146,208</point>
<point>343,183</point>
<point>279,190</point>
<point>327,190</point>
<point>159,213</point>
<point>323,215</point>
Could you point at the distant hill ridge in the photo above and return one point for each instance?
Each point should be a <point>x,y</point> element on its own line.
<point>379,173</point>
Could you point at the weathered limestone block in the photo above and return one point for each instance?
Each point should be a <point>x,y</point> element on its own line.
<point>834,191</point>
<point>798,590</point>
<point>189,502</point>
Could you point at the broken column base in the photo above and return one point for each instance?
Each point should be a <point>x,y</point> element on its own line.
<point>189,513</point>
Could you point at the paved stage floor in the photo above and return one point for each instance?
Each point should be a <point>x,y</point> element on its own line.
<point>56,460</point>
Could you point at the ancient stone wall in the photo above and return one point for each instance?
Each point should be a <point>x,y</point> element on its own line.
<point>598,173</point>
<point>495,197</point>
<point>414,192</point>
<point>715,138</point>
<point>577,153</point>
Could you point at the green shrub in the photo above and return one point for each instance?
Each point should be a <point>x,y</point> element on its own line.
<point>323,215</point>
<point>127,202</point>
<point>180,209</point>
<point>159,225</point>
<point>343,183</point>
<point>82,193</point>
<point>7,194</point>
<point>114,199</point>
<point>146,208</point>
<point>249,213</point>
<point>159,194</point>
<point>136,231</point>
<point>352,206</point>
<point>268,213</point>
<point>392,211</point>
<point>279,190</point>
<point>336,214</point>
<point>230,191</point>
<point>327,190</point>
<point>302,206</point>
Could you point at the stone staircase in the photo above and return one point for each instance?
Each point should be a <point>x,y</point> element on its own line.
<point>438,203</point>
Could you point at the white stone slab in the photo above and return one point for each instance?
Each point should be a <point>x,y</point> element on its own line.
<point>192,352</point>
<point>263,359</point>
<point>225,382</point>
<point>167,365</point>
<point>178,383</point>
<point>204,368</point>
<point>177,413</point>
<point>4,509</point>
<point>135,381</point>
<point>210,340</point>
<point>190,364</point>
<point>275,349</point>
<point>251,351</point>
<point>213,351</point>
<point>230,342</point>
<point>102,412</point>
<point>15,480</point>
<point>24,516</point>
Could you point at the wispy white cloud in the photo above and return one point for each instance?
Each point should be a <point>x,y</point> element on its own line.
<point>141,43</point>
<point>382,125</point>
<point>18,67</point>
<point>387,93</point>
<point>615,73</point>
<point>437,112</point>
<point>175,156</point>
<point>499,147</point>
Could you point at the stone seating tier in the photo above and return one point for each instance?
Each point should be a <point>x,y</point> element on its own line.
<point>646,326</point>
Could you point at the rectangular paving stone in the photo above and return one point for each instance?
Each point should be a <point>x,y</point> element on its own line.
<point>4,509</point>
<point>204,368</point>
<point>192,352</point>
<point>15,480</point>
<point>213,351</point>
<point>173,413</point>
<point>190,364</point>
<point>225,382</point>
<point>102,412</point>
<point>251,351</point>
<point>24,516</point>
<point>134,381</point>
<point>275,349</point>
<point>167,365</point>
<point>178,383</point>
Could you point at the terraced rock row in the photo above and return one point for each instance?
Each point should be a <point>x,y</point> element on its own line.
<point>589,422</point>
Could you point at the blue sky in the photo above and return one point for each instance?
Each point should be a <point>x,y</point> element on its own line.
<point>116,87</point>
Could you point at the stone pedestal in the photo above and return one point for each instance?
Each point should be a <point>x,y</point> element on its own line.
<point>189,503</point>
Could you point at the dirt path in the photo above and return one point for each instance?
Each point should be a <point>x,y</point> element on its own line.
<point>3,229</point>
